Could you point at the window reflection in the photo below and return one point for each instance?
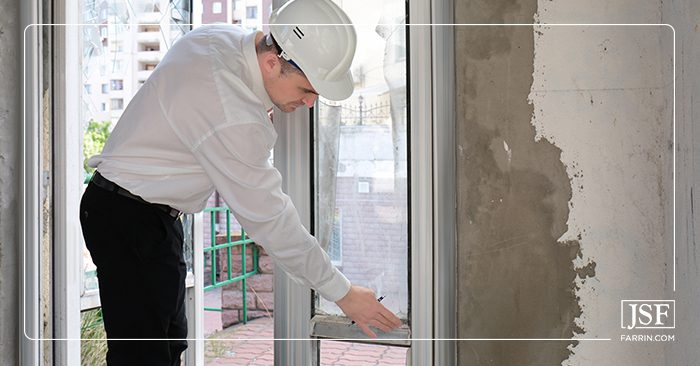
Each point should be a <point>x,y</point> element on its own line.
<point>361,166</point>
<point>118,37</point>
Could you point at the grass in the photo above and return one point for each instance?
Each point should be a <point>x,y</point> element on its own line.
<point>92,353</point>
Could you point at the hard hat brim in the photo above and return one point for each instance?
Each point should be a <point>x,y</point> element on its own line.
<point>335,90</point>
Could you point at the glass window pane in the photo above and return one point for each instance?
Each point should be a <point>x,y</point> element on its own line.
<point>114,41</point>
<point>361,166</point>
<point>216,8</point>
<point>223,316</point>
<point>251,12</point>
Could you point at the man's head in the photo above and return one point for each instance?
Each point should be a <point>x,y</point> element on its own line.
<point>308,53</point>
<point>284,82</point>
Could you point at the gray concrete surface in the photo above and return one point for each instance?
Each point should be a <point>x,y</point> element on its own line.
<point>565,179</point>
<point>10,79</point>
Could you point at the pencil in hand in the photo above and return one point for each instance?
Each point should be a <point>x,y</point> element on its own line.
<point>379,300</point>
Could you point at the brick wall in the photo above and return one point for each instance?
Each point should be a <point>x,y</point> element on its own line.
<point>259,295</point>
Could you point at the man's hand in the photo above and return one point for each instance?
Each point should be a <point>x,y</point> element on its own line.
<point>360,304</point>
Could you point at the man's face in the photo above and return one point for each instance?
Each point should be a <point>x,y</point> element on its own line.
<point>288,91</point>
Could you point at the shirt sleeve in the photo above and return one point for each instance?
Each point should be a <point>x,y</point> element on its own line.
<point>236,158</point>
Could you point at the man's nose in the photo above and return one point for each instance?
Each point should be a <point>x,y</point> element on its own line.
<point>309,100</point>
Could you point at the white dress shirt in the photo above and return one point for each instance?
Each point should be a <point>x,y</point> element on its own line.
<point>200,123</point>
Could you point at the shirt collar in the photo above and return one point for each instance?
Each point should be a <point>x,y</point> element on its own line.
<point>251,58</point>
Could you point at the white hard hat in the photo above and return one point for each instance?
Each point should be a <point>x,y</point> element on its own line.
<point>323,52</point>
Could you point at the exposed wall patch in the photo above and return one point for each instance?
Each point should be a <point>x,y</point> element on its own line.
<point>515,279</point>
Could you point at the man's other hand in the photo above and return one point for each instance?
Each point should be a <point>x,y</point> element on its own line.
<point>360,304</point>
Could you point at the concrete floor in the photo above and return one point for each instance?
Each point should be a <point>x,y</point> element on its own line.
<point>238,350</point>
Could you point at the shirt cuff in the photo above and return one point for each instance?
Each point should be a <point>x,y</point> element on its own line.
<point>336,288</point>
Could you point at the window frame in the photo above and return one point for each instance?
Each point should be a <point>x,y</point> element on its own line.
<point>216,7</point>
<point>67,239</point>
<point>116,104</point>
<point>252,9</point>
<point>432,212</point>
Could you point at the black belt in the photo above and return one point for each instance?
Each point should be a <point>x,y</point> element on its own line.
<point>108,185</point>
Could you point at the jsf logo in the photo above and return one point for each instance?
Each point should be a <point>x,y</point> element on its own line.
<point>648,314</point>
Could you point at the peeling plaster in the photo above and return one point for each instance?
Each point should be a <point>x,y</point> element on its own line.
<point>601,95</point>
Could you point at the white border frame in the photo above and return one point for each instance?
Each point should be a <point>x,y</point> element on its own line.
<point>29,352</point>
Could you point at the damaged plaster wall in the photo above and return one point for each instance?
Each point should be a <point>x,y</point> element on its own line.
<point>565,181</point>
<point>515,279</point>
<point>684,16</point>
<point>10,79</point>
<point>622,202</point>
<point>603,94</point>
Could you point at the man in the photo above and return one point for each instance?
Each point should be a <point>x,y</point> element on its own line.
<point>200,123</point>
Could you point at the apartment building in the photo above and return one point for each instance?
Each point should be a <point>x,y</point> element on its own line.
<point>124,46</point>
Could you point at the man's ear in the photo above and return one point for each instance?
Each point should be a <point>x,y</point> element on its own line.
<point>270,64</point>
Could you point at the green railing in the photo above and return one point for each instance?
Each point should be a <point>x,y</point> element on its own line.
<point>214,248</point>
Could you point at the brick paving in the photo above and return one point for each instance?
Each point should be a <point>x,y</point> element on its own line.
<point>260,352</point>
<point>212,319</point>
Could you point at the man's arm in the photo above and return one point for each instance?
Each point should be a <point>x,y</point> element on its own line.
<point>252,188</point>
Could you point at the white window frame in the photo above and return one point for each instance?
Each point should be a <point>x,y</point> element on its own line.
<point>29,187</point>
<point>67,282</point>
<point>432,182</point>
<point>444,183</point>
<point>293,301</point>
<point>65,305</point>
<point>68,234</point>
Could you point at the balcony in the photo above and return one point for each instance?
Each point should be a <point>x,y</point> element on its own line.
<point>143,74</point>
<point>152,17</point>
<point>148,37</point>
<point>148,56</point>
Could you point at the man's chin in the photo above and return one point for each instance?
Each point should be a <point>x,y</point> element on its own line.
<point>287,108</point>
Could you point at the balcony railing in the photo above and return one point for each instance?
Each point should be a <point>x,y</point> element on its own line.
<point>225,267</point>
<point>148,37</point>
<point>148,56</point>
<point>150,17</point>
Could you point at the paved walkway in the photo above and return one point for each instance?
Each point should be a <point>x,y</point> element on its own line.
<point>260,352</point>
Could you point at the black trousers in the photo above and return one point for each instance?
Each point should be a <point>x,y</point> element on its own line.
<point>141,272</point>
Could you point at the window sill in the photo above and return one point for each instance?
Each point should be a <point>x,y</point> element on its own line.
<point>331,327</point>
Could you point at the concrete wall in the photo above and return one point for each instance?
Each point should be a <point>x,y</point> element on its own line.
<point>685,17</point>
<point>565,179</point>
<point>10,114</point>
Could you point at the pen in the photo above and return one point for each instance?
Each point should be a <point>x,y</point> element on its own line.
<point>379,300</point>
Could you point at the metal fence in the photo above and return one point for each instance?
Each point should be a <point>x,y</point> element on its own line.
<point>225,267</point>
